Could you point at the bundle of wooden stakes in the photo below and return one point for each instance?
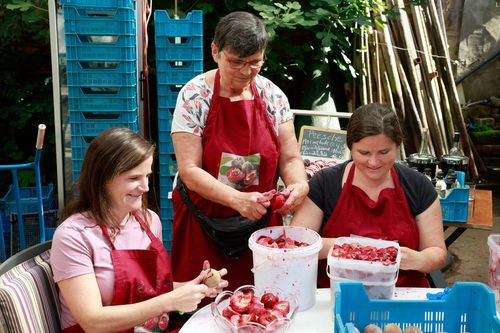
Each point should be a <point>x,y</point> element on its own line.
<point>405,63</point>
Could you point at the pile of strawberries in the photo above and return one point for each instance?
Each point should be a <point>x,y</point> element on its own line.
<point>245,308</point>
<point>387,255</point>
<point>282,242</point>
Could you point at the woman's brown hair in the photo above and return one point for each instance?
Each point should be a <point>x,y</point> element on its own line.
<point>112,152</point>
<point>373,119</point>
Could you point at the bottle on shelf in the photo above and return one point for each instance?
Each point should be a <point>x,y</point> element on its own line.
<point>440,184</point>
<point>428,173</point>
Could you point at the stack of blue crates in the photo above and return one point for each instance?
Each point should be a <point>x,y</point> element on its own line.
<point>179,58</point>
<point>101,66</point>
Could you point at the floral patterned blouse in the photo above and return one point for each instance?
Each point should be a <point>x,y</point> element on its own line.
<point>193,104</point>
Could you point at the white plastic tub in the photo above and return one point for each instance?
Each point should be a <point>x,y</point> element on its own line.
<point>294,271</point>
<point>379,279</point>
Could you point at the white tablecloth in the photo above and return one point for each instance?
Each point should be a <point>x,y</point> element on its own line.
<point>318,319</point>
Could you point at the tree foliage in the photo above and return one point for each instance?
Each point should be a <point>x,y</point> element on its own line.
<point>26,92</point>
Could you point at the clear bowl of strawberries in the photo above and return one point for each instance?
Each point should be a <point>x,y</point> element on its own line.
<point>246,311</point>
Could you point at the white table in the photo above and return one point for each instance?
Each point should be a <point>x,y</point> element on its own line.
<point>318,319</point>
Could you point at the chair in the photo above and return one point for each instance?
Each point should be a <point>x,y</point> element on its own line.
<point>29,300</point>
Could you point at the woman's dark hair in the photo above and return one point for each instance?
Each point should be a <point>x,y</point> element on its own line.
<point>373,119</point>
<point>241,33</point>
<point>113,152</point>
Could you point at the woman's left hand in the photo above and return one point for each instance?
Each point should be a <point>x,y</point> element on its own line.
<point>296,194</point>
<point>410,259</point>
<point>212,292</point>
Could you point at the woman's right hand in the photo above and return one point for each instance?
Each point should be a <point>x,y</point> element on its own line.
<point>252,205</point>
<point>186,298</point>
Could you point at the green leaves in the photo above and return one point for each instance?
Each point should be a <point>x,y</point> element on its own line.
<point>331,24</point>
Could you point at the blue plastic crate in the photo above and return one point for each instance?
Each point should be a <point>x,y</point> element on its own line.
<point>101,104</point>
<point>176,77</point>
<point>167,182</point>
<point>76,165</point>
<point>101,79</point>
<point>100,48</point>
<point>168,168</point>
<point>28,200</point>
<point>469,307</point>
<point>179,66</point>
<point>167,100</point>
<point>167,95</point>
<point>103,116</point>
<point>191,25</point>
<point>99,21</point>
<point>79,145</point>
<point>165,117</point>
<point>103,92</point>
<point>101,66</point>
<point>100,3</point>
<point>165,145</point>
<point>94,128</point>
<point>167,213</point>
<point>31,230</point>
<point>190,51</point>
<point>455,206</point>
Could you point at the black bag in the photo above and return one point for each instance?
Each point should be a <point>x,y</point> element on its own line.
<point>231,234</point>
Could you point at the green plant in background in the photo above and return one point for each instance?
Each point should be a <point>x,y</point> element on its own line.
<point>26,93</point>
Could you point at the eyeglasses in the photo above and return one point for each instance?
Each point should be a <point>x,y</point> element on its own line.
<point>239,64</point>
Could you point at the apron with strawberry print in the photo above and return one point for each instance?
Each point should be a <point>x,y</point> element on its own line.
<point>389,218</point>
<point>139,276</point>
<point>240,149</point>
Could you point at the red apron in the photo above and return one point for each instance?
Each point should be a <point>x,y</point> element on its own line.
<point>139,275</point>
<point>389,218</point>
<point>241,128</point>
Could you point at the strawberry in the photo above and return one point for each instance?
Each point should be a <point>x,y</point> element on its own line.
<point>267,317</point>
<point>278,201</point>
<point>228,312</point>
<point>240,301</point>
<point>283,307</point>
<point>269,299</point>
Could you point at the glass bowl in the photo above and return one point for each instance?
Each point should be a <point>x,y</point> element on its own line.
<point>277,326</point>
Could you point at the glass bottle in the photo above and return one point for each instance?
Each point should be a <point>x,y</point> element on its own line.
<point>423,159</point>
<point>455,158</point>
<point>440,184</point>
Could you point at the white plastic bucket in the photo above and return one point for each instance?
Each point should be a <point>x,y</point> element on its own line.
<point>379,280</point>
<point>294,271</point>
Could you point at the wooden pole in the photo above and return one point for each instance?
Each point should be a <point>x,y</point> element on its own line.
<point>450,83</point>
<point>430,74</point>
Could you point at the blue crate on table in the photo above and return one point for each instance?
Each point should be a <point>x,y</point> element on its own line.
<point>28,200</point>
<point>100,3</point>
<point>191,25</point>
<point>455,206</point>
<point>468,307</point>
<point>99,21</point>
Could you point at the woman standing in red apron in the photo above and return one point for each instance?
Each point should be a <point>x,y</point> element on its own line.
<point>233,136</point>
<point>372,196</point>
<point>107,257</point>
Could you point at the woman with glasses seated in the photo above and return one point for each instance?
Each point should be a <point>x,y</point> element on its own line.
<point>233,137</point>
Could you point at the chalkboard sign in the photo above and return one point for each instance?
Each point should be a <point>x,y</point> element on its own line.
<point>321,143</point>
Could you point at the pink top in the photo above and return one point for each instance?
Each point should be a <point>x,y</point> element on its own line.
<point>79,247</point>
